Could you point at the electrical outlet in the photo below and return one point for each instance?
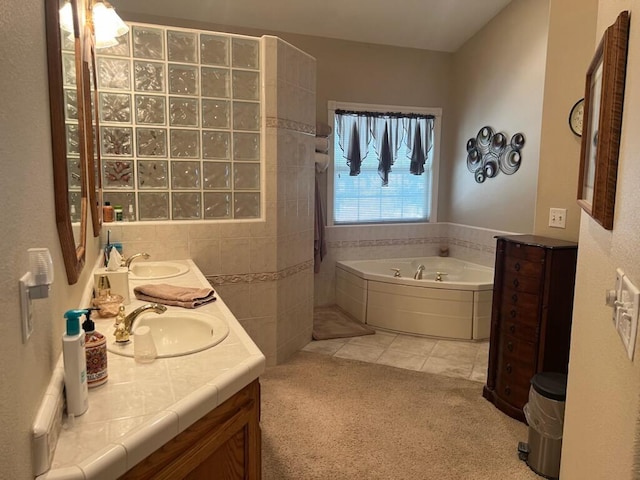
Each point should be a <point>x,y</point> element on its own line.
<point>557,217</point>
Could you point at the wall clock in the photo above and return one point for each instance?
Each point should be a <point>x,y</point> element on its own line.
<point>576,116</point>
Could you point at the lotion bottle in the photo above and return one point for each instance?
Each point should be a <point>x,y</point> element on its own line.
<point>96,353</point>
<point>75,366</point>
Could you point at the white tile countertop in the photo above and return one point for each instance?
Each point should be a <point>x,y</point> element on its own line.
<point>143,406</point>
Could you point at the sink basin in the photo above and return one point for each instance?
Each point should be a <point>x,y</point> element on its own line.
<point>154,270</point>
<point>176,333</point>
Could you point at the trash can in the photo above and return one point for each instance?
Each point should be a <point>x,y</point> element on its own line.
<point>545,415</point>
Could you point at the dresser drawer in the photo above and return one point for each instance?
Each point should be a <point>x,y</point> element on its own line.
<point>519,283</point>
<point>523,267</point>
<point>516,349</point>
<point>526,301</point>
<point>521,314</point>
<point>516,392</point>
<point>525,252</point>
<point>516,373</point>
<point>521,331</point>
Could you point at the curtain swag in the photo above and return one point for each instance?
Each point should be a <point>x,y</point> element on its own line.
<point>387,131</point>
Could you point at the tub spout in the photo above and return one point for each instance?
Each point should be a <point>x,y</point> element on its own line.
<point>418,274</point>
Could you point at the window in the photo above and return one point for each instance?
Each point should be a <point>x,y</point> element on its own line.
<point>392,183</point>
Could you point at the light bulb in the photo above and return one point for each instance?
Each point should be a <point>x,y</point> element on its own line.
<point>66,17</point>
<point>107,25</point>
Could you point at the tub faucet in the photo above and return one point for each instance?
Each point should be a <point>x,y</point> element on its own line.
<point>418,274</point>
<point>124,329</point>
<point>127,262</point>
<point>439,276</point>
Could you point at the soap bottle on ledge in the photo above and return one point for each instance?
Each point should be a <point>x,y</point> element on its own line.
<point>75,364</point>
<point>96,352</point>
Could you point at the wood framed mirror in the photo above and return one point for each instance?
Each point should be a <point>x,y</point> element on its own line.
<point>92,127</point>
<point>66,94</point>
<point>604,98</point>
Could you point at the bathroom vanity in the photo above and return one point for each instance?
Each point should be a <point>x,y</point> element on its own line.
<point>530,316</point>
<point>190,416</point>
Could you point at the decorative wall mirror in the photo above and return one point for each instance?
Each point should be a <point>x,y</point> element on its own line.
<point>64,56</point>
<point>92,127</point>
<point>604,97</point>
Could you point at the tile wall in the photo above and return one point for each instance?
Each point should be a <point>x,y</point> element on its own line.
<point>263,269</point>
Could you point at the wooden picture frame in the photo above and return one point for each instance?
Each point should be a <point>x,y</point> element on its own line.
<point>604,96</point>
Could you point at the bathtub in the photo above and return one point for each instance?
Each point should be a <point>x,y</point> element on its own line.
<point>457,307</point>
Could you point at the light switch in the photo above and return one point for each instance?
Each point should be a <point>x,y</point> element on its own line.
<point>626,313</point>
<point>557,217</point>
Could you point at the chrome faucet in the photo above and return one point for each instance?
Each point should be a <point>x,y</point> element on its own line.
<point>127,262</point>
<point>439,276</point>
<point>418,274</point>
<point>396,272</point>
<point>129,320</point>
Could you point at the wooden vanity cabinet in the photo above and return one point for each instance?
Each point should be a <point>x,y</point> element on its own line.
<point>225,444</point>
<point>530,317</point>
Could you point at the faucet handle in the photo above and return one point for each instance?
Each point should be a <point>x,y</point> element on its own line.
<point>396,272</point>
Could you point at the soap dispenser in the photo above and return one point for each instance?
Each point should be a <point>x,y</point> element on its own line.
<point>96,352</point>
<point>75,366</point>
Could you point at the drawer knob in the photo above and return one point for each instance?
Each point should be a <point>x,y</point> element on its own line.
<point>512,328</point>
<point>517,266</point>
<point>507,391</point>
<point>514,297</point>
<point>510,346</point>
<point>516,282</point>
<point>513,313</point>
<point>509,368</point>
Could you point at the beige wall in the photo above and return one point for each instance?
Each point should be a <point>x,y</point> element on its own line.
<point>498,78</point>
<point>569,51</point>
<point>602,419</point>
<point>27,220</point>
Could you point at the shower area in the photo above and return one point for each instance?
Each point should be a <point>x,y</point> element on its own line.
<point>207,144</point>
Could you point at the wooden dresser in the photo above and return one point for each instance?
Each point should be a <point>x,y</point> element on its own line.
<point>530,317</point>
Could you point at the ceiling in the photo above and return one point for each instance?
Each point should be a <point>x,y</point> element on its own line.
<point>443,25</point>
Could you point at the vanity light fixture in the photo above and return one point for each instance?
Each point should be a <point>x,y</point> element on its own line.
<point>66,18</point>
<point>108,26</point>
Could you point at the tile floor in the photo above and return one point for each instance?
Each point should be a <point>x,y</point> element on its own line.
<point>444,357</point>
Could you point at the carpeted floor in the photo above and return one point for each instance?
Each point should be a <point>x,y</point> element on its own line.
<point>330,418</point>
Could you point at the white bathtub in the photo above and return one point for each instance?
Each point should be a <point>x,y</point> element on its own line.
<point>458,306</point>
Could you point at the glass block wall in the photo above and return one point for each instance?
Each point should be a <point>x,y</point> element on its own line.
<point>180,124</point>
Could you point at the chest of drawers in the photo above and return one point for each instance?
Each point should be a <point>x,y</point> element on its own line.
<point>530,318</point>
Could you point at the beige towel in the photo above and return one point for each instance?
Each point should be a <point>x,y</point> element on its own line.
<point>166,294</point>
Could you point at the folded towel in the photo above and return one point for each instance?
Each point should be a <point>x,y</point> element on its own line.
<point>166,294</point>
<point>323,130</point>
<point>322,144</point>
<point>322,162</point>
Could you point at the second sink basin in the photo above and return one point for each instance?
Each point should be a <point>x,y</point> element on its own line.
<point>176,333</point>
<point>152,270</point>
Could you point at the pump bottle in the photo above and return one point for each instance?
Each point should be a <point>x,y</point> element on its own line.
<point>95,347</point>
<point>75,365</point>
